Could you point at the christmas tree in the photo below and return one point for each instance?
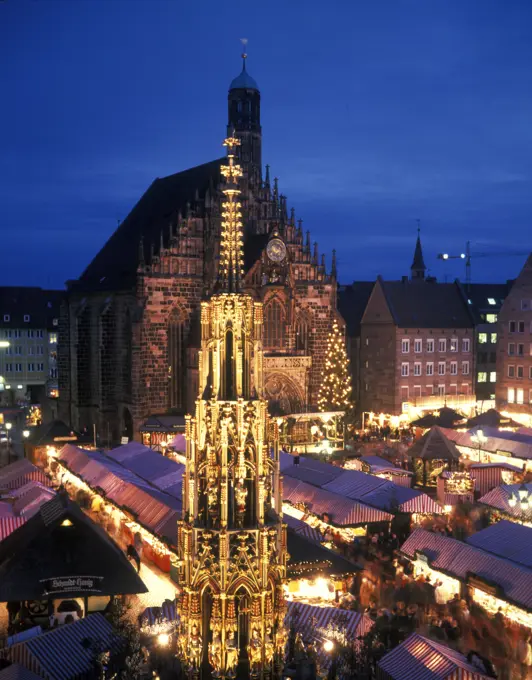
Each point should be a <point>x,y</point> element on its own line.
<point>335,389</point>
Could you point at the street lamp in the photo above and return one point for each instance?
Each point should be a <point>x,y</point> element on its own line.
<point>4,343</point>
<point>330,648</point>
<point>479,438</point>
<point>25,433</point>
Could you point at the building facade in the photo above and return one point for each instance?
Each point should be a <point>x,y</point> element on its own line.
<point>416,345</point>
<point>29,324</point>
<point>130,327</point>
<point>514,349</point>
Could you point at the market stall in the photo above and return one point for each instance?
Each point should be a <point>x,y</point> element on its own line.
<point>455,488</point>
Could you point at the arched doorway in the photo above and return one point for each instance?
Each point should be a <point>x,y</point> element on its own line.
<point>128,424</point>
<point>283,394</point>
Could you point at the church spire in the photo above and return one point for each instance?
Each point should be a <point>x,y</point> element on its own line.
<point>231,268</point>
<point>418,264</point>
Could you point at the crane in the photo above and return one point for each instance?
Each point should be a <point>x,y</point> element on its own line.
<point>468,255</point>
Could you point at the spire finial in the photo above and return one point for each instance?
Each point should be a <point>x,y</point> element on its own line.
<point>333,265</point>
<point>231,268</point>
<point>244,42</point>
<point>418,267</point>
<point>418,228</point>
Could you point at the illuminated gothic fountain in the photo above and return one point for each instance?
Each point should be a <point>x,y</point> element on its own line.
<point>231,541</point>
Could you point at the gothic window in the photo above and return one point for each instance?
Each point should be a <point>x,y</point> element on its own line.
<point>302,332</point>
<point>127,362</point>
<point>176,360</point>
<point>83,356</point>
<point>107,355</point>
<point>275,326</point>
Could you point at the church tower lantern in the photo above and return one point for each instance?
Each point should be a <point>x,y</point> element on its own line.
<point>231,540</point>
<point>244,122</point>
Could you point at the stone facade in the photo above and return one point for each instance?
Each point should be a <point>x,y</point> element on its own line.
<point>130,326</point>
<point>514,348</point>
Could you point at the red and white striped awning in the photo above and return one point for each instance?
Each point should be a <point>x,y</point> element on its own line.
<point>20,472</point>
<point>9,524</point>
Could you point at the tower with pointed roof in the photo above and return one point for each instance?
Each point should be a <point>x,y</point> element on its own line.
<point>231,541</point>
<point>418,267</point>
<point>243,122</point>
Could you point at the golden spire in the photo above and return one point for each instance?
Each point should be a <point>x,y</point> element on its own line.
<point>231,268</point>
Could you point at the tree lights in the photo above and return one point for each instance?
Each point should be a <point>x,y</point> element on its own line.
<point>335,389</point>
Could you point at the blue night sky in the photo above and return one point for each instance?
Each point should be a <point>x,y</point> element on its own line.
<point>374,113</point>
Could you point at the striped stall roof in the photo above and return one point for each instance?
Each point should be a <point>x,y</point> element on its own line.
<point>20,472</point>
<point>499,497</point>
<point>164,473</point>
<point>154,509</point>
<point>17,672</point>
<point>10,524</point>
<point>460,559</point>
<point>65,653</point>
<point>342,511</point>
<point>30,502</point>
<point>309,470</point>
<point>489,475</point>
<point>312,623</point>
<point>419,658</point>
<point>152,615</point>
<point>303,529</point>
<point>513,444</point>
<point>506,539</point>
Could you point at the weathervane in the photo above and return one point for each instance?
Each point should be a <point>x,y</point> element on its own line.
<point>244,42</point>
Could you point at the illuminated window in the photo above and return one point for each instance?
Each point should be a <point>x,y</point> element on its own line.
<point>511,371</point>
<point>275,325</point>
<point>430,345</point>
<point>465,367</point>
<point>418,346</point>
<point>519,395</point>
<point>453,345</point>
<point>511,395</point>
<point>441,367</point>
<point>441,390</point>
<point>491,318</point>
<point>511,349</point>
<point>430,368</point>
<point>493,376</point>
<point>454,368</point>
<point>405,345</point>
<point>482,338</point>
<point>482,377</point>
<point>417,368</point>
<point>405,369</point>
<point>493,338</point>
<point>492,301</point>
<point>466,345</point>
<point>53,338</point>
<point>442,345</point>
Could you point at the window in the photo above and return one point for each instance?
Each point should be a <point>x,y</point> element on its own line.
<point>26,318</point>
<point>17,334</point>
<point>520,395</point>
<point>511,395</point>
<point>404,393</point>
<point>511,326</point>
<point>30,350</point>
<point>520,349</point>
<point>430,390</point>
<point>405,345</point>
<point>441,367</point>
<point>9,368</point>
<point>39,350</point>
<point>530,372</point>
<point>275,326</point>
<point>302,332</point>
<point>53,338</point>
<point>442,345</point>
<point>454,368</point>
<point>18,368</point>
<point>466,345</point>
<point>417,368</point>
<point>31,368</point>
<point>524,305</point>
<point>520,372</point>
<point>453,345</point>
<point>405,370</point>
<point>8,334</point>
<point>441,390</point>
<point>491,318</point>
<point>465,388</point>
<point>430,345</point>
<point>53,373</point>
<point>19,350</point>
<point>493,338</point>
<point>465,367</point>
<point>40,367</point>
<point>511,371</point>
<point>9,350</point>
<point>417,390</point>
<point>55,322</point>
<point>430,368</point>
<point>492,301</point>
<point>482,377</point>
<point>520,326</point>
<point>511,349</point>
<point>418,346</point>
<point>7,317</point>
<point>482,338</point>
<point>493,376</point>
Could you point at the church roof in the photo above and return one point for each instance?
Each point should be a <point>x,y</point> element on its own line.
<point>418,263</point>
<point>116,264</point>
<point>244,81</point>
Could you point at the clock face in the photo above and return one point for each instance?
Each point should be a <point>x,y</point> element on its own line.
<point>276,250</point>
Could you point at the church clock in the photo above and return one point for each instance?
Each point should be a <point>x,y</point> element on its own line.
<point>276,250</point>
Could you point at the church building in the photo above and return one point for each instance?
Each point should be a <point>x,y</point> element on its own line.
<point>129,329</point>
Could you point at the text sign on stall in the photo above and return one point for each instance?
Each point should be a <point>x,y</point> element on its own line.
<point>124,441</point>
<point>69,584</point>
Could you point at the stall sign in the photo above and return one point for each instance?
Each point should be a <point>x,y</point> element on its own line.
<point>124,441</point>
<point>68,584</point>
<point>72,438</point>
<point>507,454</point>
<point>480,584</point>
